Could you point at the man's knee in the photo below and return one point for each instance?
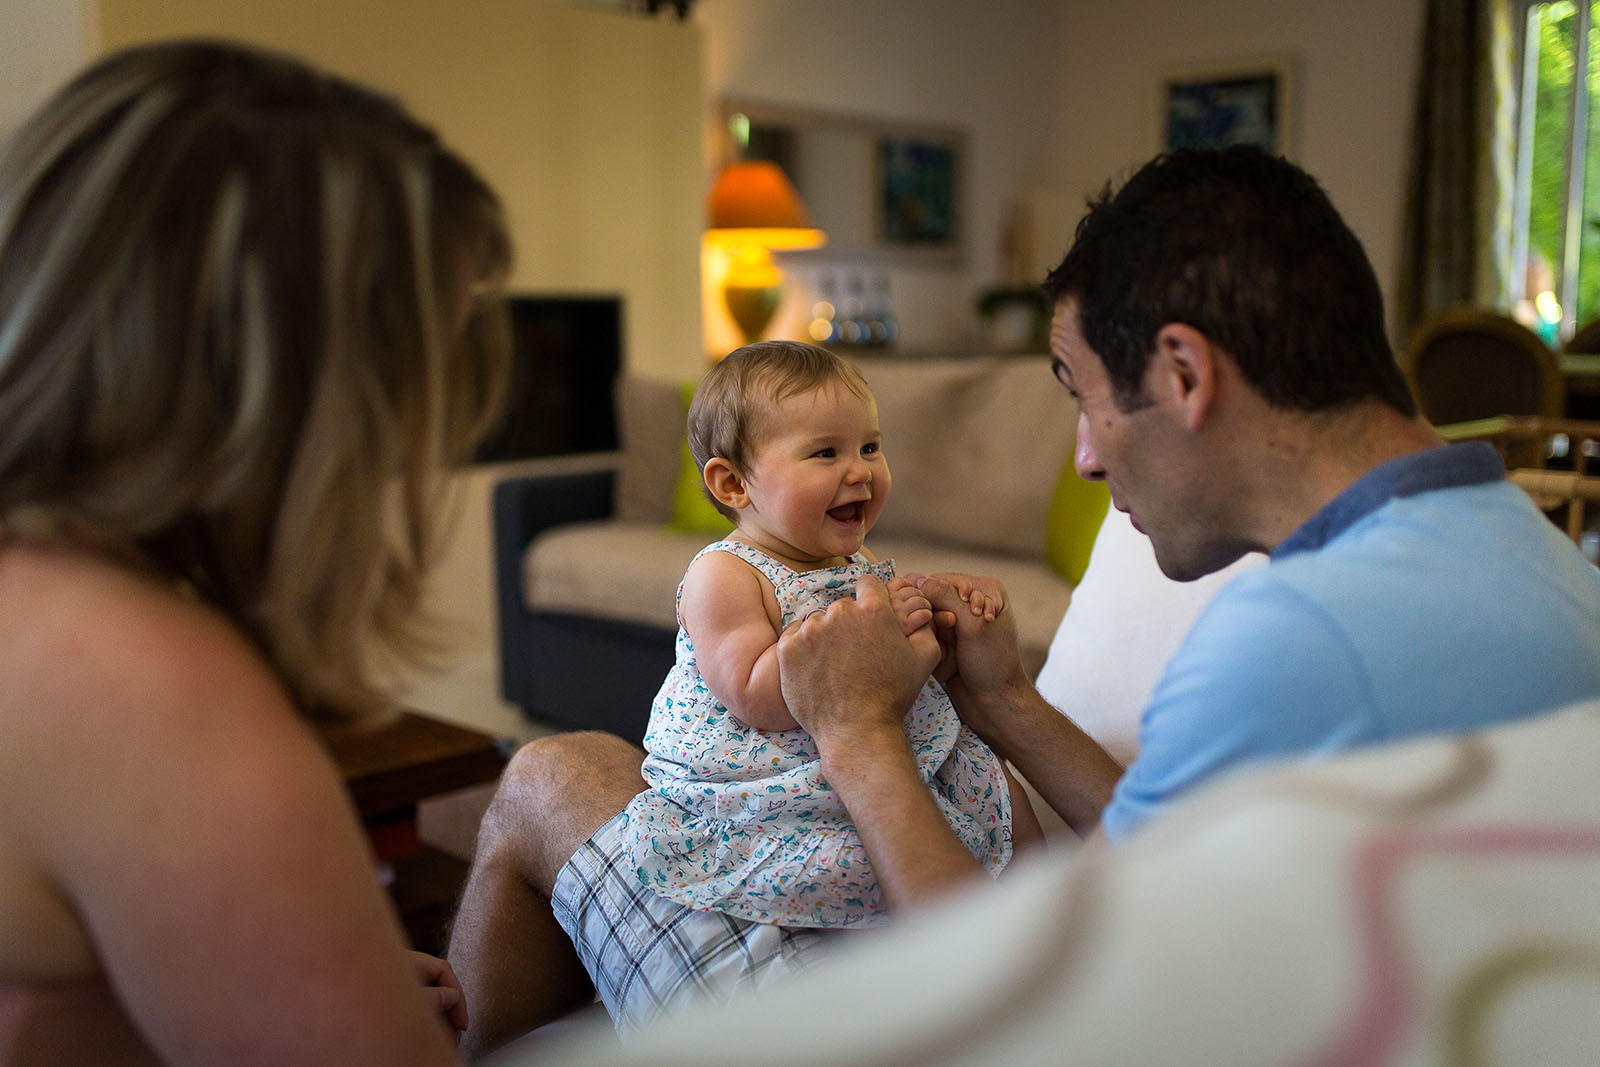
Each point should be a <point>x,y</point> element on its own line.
<point>553,795</point>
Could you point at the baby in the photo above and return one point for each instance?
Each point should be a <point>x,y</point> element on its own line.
<point>738,817</point>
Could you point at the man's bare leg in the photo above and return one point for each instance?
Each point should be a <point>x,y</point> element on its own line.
<point>515,964</point>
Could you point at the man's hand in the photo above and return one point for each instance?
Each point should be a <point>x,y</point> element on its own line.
<point>851,668</point>
<point>443,992</point>
<point>982,639</point>
<point>849,675</point>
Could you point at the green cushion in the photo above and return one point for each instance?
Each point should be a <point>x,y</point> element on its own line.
<point>1077,508</point>
<point>692,509</point>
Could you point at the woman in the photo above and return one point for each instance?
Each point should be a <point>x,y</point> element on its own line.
<point>248,316</point>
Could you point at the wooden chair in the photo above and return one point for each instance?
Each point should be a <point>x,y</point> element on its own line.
<point>1535,441</point>
<point>1555,461</point>
<point>1580,364</point>
<point>1471,363</point>
<point>1553,491</point>
<point>1586,341</point>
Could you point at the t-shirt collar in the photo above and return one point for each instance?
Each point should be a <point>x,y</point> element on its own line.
<point>1462,463</point>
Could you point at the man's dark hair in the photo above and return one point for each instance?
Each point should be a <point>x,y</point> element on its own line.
<point>1246,248</point>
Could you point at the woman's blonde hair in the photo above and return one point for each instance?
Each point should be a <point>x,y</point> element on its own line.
<point>246,309</point>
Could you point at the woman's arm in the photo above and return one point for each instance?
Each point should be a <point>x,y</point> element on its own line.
<point>205,842</point>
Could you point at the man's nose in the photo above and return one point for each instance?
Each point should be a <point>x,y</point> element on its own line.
<point>1084,460</point>
<point>859,470</point>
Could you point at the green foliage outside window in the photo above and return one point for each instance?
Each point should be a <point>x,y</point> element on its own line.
<point>1554,31</point>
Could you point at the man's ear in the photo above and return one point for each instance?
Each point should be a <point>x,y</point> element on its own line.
<point>726,484</point>
<point>1184,370</point>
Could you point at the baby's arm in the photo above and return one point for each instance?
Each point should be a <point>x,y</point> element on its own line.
<point>732,617</point>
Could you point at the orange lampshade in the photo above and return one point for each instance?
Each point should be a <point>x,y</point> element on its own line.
<point>753,203</point>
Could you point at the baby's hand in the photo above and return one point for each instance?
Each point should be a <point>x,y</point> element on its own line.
<point>984,597</point>
<point>910,606</point>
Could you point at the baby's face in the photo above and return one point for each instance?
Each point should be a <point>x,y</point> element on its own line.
<point>818,478</point>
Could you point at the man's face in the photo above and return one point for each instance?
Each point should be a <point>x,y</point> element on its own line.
<point>1140,454</point>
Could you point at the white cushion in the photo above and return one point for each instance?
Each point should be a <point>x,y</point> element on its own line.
<point>1125,622</point>
<point>976,447</point>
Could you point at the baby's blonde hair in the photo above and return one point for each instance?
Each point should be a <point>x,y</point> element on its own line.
<point>725,416</point>
<point>246,309</point>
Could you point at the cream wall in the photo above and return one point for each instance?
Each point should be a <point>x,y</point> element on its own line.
<point>1060,95</point>
<point>583,120</point>
<point>1356,76</point>
<point>989,68</point>
<point>42,43</point>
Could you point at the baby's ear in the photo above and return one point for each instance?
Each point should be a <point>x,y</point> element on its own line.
<point>726,484</point>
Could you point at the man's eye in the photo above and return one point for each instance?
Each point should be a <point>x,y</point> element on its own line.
<point>824,453</point>
<point>871,449</point>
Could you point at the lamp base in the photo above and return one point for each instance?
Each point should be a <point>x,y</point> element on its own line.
<point>752,307</point>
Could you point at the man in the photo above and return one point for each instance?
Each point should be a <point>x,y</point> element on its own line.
<point>1224,334</point>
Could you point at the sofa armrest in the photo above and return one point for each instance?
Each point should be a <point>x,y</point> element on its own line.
<point>523,507</point>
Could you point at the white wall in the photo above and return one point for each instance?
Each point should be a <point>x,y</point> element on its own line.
<point>1357,70</point>
<point>1060,95</point>
<point>990,68</point>
<point>41,43</point>
<point>584,121</point>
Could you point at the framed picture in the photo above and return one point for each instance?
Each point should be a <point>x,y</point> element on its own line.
<point>917,196</point>
<point>1250,103</point>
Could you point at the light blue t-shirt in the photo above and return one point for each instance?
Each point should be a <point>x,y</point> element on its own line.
<point>1431,596</point>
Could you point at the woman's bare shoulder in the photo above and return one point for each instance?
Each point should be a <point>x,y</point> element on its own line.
<point>77,628</point>
<point>106,681</point>
<point>112,684</point>
<point>189,815</point>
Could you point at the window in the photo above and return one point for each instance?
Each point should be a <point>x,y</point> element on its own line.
<point>1557,195</point>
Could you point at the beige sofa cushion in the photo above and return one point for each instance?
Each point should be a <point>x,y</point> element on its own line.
<point>631,571</point>
<point>650,431</point>
<point>615,570</point>
<point>976,447</point>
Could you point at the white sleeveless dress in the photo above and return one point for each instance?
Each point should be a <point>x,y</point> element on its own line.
<point>740,820</point>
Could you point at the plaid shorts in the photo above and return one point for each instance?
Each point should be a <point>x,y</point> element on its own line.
<point>649,956</point>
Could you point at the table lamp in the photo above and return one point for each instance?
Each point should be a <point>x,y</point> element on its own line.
<point>753,210</point>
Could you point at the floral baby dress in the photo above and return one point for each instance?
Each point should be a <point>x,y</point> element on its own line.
<point>740,820</point>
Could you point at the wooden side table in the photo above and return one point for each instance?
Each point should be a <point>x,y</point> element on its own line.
<point>388,773</point>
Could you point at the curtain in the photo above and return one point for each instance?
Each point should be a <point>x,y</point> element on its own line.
<point>1456,246</point>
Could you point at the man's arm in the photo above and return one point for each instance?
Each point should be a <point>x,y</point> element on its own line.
<point>849,675</point>
<point>1067,766</point>
<point>996,698</point>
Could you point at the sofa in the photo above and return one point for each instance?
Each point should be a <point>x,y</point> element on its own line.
<point>587,564</point>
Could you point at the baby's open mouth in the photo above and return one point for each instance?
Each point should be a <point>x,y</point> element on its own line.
<point>847,512</point>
